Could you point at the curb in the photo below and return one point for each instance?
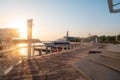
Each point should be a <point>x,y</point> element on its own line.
<point>110,57</point>
<point>80,72</point>
<point>106,65</point>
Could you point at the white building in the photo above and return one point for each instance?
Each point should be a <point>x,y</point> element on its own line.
<point>8,33</point>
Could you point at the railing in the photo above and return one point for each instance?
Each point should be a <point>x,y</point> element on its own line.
<point>9,58</point>
<point>55,48</point>
<point>59,47</point>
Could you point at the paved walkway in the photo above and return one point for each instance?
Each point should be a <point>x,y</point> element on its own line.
<point>49,67</point>
<point>63,66</point>
<point>96,71</point>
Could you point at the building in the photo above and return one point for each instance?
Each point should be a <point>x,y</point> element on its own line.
<point>71,38</point>
<point>6,35</point>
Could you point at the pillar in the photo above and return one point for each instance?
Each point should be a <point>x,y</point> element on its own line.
<point>50,49</point>
<point>29,36</point>
<point>62,48</point>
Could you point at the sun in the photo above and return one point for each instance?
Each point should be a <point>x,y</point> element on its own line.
<point>23,33</point>
<point>21,26</point>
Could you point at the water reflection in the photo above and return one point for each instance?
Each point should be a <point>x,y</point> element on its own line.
<point>23,50</point>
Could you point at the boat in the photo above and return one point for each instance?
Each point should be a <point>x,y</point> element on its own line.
<point>57,44</point>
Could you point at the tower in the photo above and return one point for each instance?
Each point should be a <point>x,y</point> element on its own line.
<point>67,35</point>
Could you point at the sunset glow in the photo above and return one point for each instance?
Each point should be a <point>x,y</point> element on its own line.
<point>23,33</point>
<point>51,20</point>
<point>23,51</point>
<point>21,26</point>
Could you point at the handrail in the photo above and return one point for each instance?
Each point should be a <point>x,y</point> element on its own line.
<point>9,58</point>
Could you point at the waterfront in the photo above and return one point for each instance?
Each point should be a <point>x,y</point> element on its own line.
<point>12,57</point>
<point>48,69</point>
<point>23,51</point>
<point>72,64</point>
<point>59,40</point>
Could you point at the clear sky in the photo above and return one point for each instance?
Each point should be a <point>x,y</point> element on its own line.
<point>53,18</point>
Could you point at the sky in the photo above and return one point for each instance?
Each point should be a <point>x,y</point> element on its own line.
<point>53,18</point>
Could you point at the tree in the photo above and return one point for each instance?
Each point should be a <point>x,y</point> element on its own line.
<point>102,39</point>
<point>118,37</point>
<point>110,39</point>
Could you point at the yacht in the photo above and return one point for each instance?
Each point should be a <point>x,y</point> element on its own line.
<point>57,44</point>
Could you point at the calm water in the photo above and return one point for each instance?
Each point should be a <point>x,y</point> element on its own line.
<point>23,51</point>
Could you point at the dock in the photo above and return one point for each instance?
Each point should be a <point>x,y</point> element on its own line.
<point>73,64</point>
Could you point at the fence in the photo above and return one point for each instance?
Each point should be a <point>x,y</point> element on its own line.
<point>8,59</point>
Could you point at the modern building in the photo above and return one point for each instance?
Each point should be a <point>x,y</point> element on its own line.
<point>71,38</point>
<point>8,34</point>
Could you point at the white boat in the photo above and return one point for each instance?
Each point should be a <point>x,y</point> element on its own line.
<point>58,42</point>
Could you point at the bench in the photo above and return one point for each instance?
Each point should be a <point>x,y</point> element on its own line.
<point>94,52</point>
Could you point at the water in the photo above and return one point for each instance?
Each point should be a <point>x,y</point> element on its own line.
<point>24,51</point>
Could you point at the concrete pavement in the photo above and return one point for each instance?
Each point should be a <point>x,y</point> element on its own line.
<point>70,65</point>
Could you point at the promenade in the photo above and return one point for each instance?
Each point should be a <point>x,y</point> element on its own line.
<point>74,64</point>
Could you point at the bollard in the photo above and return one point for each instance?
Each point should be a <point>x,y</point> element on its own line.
<point>40,53</point>
<point>57,49</point>
<point>46,50</point>
<point>71,46</point>
<point>51,49</point>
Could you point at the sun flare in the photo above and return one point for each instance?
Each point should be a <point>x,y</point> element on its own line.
<point>23,33</point>
<point>21,26</point>
<point>23,51</point>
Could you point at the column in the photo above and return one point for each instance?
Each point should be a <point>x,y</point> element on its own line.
<point>29,36</point>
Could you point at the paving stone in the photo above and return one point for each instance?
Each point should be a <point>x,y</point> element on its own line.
<point>52,75</point>
<point>50,67</point>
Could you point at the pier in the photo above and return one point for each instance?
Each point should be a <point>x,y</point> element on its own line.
<point>69,64</point>
<point>39,49</point>
<point>12,58</point>
<point>56,61</point>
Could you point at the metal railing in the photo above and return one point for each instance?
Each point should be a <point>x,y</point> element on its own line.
<point>11,57</point>
<point>8,59</point>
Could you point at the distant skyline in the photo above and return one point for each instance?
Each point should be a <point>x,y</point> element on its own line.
<point>53,18</point>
